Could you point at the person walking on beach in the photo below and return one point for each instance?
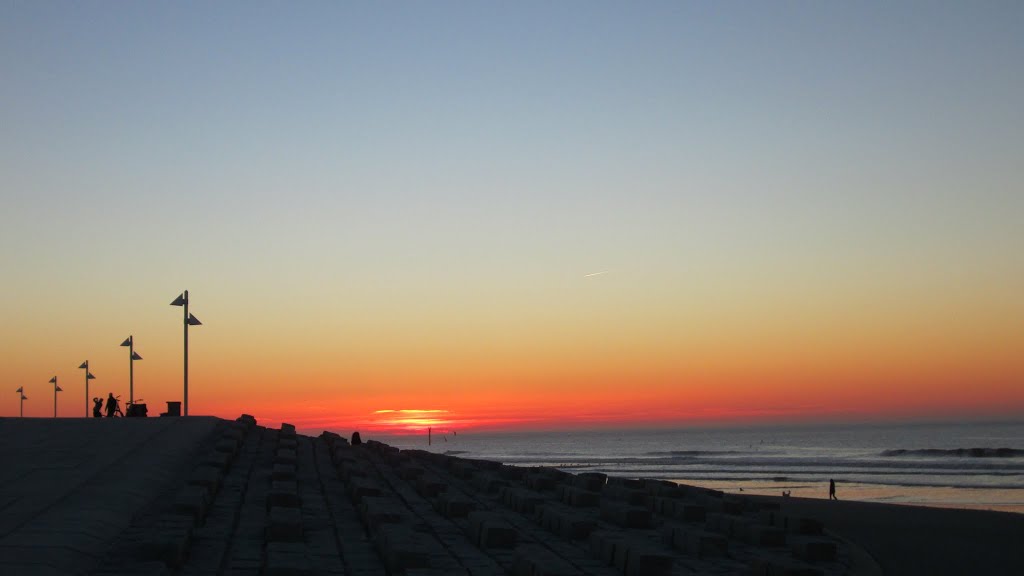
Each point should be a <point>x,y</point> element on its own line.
<point>832,489</point>
<point>97,408</point>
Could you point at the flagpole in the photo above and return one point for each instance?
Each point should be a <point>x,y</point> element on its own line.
<point>55,388</point>
<point>131,369</point>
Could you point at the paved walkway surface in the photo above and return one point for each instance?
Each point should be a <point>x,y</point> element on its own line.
<point>202,496</point>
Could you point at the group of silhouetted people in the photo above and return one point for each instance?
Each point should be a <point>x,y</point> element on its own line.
<point>113,407</point>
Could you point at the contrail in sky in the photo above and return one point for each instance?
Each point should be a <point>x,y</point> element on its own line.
<point>596,273</point>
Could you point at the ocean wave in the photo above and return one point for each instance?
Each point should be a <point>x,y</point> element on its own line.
<point>959,452</point>
<point>688,453</point>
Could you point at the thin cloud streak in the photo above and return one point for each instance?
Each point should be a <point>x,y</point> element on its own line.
<point>596,273</point>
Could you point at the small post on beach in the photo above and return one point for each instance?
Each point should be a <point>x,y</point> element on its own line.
<point>132,357</point>
<point>88,376</point>
<point>190,320</point>
<point>429,430</point>
<point>55,390</point>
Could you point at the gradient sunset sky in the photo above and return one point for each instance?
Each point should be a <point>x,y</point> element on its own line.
<point>517,214</point>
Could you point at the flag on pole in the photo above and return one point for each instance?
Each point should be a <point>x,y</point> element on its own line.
<point>193,321</point>
<point>21,389</point>
<point>85,365</point>
<point>59,389</point>
<point>135,356</point>
<point>127,341</point>
<point>53,380</point>
<point>89,376</point>
<point>179,301</point>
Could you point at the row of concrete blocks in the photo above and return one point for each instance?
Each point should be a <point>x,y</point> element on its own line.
<point>171,535</point>
<point>284,553</point>
<point>634,495</point>
<point>386,518</point>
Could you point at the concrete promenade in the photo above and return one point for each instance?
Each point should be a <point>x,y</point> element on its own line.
<point>202,496</point>
<point>70,487</point>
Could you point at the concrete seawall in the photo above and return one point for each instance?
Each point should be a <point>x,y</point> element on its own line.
<point>206,496</point>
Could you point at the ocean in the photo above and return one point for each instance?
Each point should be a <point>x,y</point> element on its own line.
<point>962,465</point>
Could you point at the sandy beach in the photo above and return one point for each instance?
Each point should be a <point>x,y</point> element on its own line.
<point>162,496</point>
<point>917,540</point>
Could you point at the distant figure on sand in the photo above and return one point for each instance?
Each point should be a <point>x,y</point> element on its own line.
<point>112,406</point>
<point>832,489</point>
<point>356,440</point>
<point>97,408</point>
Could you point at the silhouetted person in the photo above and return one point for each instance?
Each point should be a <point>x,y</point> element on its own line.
<point>356,439</point>
<point>111,405</point>
<point>832,489</point>
<point>97,408</point>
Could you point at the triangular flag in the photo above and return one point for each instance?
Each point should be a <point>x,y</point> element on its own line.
<point>59,389</point>
<point>127,341</point>
<point>193,321</point>
<point>23,397</point>
<point>135,356</point>
<point>85,365</point>
<point>179,301</point>
<point>89,376</point>
<point>20,389</point>
<point>53,380</point>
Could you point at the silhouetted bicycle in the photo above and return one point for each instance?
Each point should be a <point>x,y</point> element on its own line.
<point>137,409</point>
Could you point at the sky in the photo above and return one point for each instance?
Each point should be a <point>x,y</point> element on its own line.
<point>528,215</point>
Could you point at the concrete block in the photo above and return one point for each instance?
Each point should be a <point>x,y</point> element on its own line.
<point>168,541</point>
<point>643,559</point>
<point>227,446</point>
<point>539,481</point>
<point>634,496</point>
<point>776,567</point>
<point>801,525</point>
<point>284,524</point>
<point>705,544</point>
<point>429,486</point>
<point>762,535</point>
<point>453,505</point>
<point>590,481</point>
<point>287,559</point>
<point>208,477</point>
<point>581,498</point>
<point>535,560</point>
<point>814,549</point>
<point>625,515</point>
<point>284,456</point>
<point>283,472</point>
<point>401,548</point>
<point>409,472</point>
<point>192,501</point>
<point>603,545</point>
<point>359,488</point>
<point>491,530</point>
<point>283,493</point>
<point>520,499</point>
<point>216,459</point>
<point>376,511</point>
